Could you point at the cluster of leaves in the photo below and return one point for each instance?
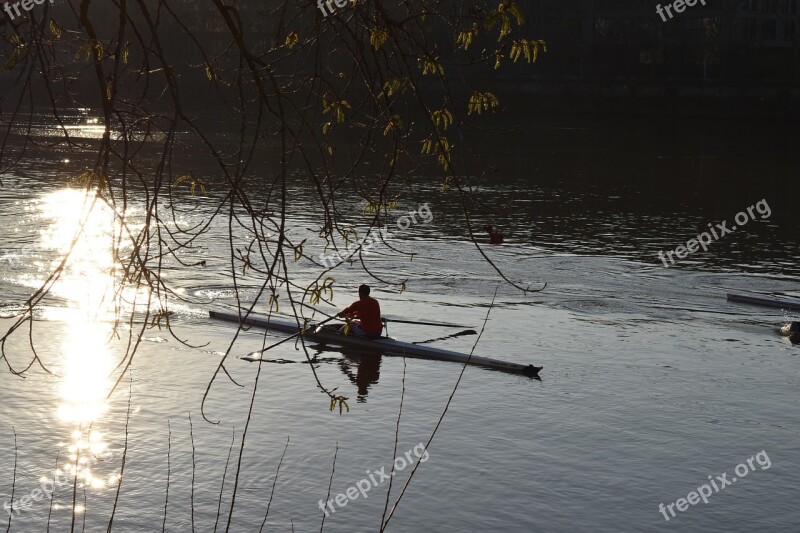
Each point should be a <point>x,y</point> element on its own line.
<point>480,102</point>
<point>374,207</point>
<point>500,16</point>
<point>323,291</point>
<point>341,401</point>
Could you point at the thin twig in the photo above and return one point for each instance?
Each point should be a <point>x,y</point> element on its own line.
<point>274,483</point>
<point>13,482</point>
<point>53,493</point>
<point>75,484</point>
<point>330,484</point>
<point>444,412</point>
<point>191,435</point>
<point>241,448</point>
<point>169,471</point>
<point>224,475</point>
<point>124,457</point>
<point>396,440</point>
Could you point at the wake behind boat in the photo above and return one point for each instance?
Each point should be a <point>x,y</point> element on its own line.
<point>385,345</point>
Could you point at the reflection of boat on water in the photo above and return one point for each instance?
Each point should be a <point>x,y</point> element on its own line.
<point>367,365</point>
<point>367,372</point>
<point>385,345</point>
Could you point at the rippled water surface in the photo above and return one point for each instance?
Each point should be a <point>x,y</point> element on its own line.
<point>652,381</point>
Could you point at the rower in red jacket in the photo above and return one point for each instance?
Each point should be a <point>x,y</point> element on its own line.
<point>368,312</point>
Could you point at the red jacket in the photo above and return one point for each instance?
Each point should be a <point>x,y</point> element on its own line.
<point>368,311</point>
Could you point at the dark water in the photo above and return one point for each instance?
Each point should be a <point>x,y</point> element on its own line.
<point>651,382</point>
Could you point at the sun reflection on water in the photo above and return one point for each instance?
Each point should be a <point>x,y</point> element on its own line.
<point>86,284</point>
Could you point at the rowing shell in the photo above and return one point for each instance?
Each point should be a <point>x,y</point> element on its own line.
<point>767,302</point>
<point>386,345</point>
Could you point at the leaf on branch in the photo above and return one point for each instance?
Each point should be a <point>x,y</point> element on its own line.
<point>394,85</point>
<point>526,48</point>
<point>337,108</point>
<point>431,66</point>
<point>373,207</point>
<point>298,250</point>
<point>394,122</point>
<point>318,292</point>
<point>427,145</point>
<point>55,29</point>
<point>480,102</point>
<point>442,117</point>
<point>245,259</point>
<point>292,39</point>
<point>210,74</point>
<point>500,15</point>
<point>446,185</point>
<point>86,49</point>
<point>441,147</point>
<point>444,154</point>
<point>341,401</point>
<point>378,37</point>
<point>17,53</point>
<point>465,37</point>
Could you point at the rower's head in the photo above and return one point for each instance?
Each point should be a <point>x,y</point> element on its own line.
<point>363,291</point>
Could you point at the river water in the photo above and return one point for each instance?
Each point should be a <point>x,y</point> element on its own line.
<point>651,381</point>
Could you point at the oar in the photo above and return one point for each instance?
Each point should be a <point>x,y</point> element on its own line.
<point>459,334</point>
<point>438,324</point>
<point>284,340</point>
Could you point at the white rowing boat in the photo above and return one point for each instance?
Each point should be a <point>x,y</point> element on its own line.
<point>386,345</point>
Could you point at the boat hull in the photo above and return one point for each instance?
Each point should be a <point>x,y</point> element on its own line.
<point>764,301</point>
<point>384,345</point>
